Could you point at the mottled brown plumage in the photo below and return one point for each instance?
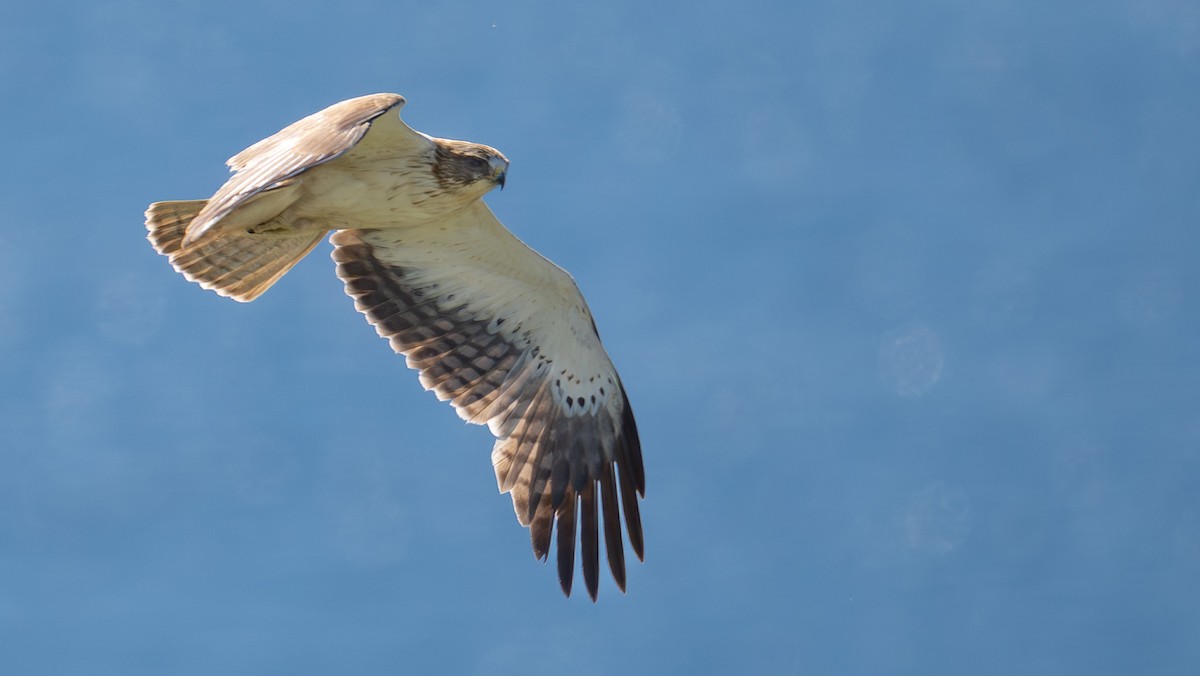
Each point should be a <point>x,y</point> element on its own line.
<point>492,327</point>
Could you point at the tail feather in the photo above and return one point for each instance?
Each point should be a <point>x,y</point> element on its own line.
<point>235,265</point>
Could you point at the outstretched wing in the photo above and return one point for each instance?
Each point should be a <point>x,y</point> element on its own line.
<point>505,336</point>
<point>314,140</point>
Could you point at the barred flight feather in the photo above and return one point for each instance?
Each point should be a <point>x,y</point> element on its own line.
<point>552,461</point>
<point>490,325</point>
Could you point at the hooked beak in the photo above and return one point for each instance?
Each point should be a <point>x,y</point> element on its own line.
<point>499,170</point>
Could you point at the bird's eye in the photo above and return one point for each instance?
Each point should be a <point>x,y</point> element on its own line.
<point>478,165</point>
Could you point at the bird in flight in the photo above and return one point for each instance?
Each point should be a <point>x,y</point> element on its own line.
<point>491,326</point>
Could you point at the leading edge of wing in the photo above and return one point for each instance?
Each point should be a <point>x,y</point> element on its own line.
<point>302,145</point>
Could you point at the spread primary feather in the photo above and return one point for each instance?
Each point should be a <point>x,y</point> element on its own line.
<point>491,326</point>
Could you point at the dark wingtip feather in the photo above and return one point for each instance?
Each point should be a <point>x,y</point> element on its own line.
<point>559,480</point>
<point>540,529</point>
<point>631,445</point>
<point>633,517</point>
<point>590,540</point>
<point>566,543</point>
<point>612,526</point>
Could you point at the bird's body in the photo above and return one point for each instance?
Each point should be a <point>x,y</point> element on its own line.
<point>492,326</point>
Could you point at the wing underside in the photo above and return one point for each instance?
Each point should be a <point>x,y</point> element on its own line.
<point>567,448</point>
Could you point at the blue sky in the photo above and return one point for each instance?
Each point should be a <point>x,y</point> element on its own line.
<point>904,296</point>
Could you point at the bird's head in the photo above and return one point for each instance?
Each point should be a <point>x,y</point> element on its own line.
<point>472,167</point>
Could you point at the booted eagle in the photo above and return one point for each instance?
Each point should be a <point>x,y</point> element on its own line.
<point>493,327</point>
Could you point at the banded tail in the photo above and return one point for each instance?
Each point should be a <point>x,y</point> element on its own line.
<point>234,264</point>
